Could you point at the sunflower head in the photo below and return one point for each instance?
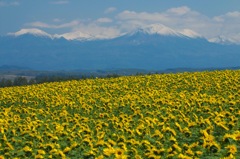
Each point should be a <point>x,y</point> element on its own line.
<point>119,152</point>
<point>236,135</point>
<point>232,149</point>
<point>108,151</point>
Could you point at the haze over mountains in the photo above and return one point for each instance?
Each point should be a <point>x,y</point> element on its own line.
<point>155,47</point>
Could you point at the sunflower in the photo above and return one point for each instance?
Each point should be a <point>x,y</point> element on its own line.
<point>121,138</point>
<point>193,145</point>
<point>53,151</point>
<point>10,146</point>
<point>199,153</point>
<point>227,136</point>
<point>119,154</point>
<point>152,156</point>
<point>158,134</point>
<point>100,142</point>
<point>90,153</point>
<point>4,137</point>
<point>181,156</point>
<point>122,145</point>
<point>236,136</point>
<point>100,157</point>
<point>36,157</point>
<point>178,148</point>
<point>153,152</point>
<point>61,154</point>
<point>223,126</point>
<point>112,143</point>
<point>230,157</point>
<point>138,157</point>
<point>74,144</point>
<point>27,149</point>
<point>170,130</point>
<point>189,152</point>
<point>66,150</point>
<point>172,138</point>
<point>41,152</point>
<point>101,115</point>
<point>232,149</point>
<point>108,151</point>
<point>138,131</point>
<point>178,126</point>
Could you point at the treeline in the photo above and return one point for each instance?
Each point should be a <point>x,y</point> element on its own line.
<point>18,81</point>
<point>22,81</point>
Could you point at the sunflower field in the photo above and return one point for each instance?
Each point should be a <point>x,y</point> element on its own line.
<point>179,116</point>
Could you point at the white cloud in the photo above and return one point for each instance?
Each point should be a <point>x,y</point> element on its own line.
<point>75,35</point>
<point>82,30</point>
<point>176,18</point>
<point>60,2</point>
<point>218,19</point>
<point>59,26</point>
<point>39,25</point>
<point>228,26</point>
<point>110,10</point>
<point>89,32</point>
<point>179,11</point>
<point>230,16</point>
<point>184,19</point>
<point>96,31</point>
<point>235,14</point>
<point>181,19</point>
<point>104,20</point>
<point>142,16</point>
<point>173,17</point>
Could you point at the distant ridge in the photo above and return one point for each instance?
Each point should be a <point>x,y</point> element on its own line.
<point>157,28</point>
<point>143,49</point>
<point>16,70</point>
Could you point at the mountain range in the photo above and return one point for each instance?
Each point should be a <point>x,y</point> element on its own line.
<point>150,48</point>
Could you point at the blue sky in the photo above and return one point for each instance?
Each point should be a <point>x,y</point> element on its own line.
<point>109,18</point>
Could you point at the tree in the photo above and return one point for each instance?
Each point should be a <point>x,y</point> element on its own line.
<point>20,81</point>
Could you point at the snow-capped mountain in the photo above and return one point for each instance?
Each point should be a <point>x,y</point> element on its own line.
<point>224,40</point>
<point>143,49</point>
<point>32,31</point>
<point>190,33</point>
<point>81,36</point>
<point>160,29</point>
<point>40,33</point>
<point>152,29</point>
<point>75,35</point>
<point>166,31</point>
<point>78,35</point>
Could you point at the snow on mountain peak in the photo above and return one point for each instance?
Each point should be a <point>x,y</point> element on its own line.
<point>77,35</point>
<point>160,29</point>
<point>33,31</point>
<point>167,31</point>
<point>190,33</point>
<point>224,40</point>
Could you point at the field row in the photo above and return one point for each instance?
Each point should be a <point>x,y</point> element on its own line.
<point>184,115</point>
